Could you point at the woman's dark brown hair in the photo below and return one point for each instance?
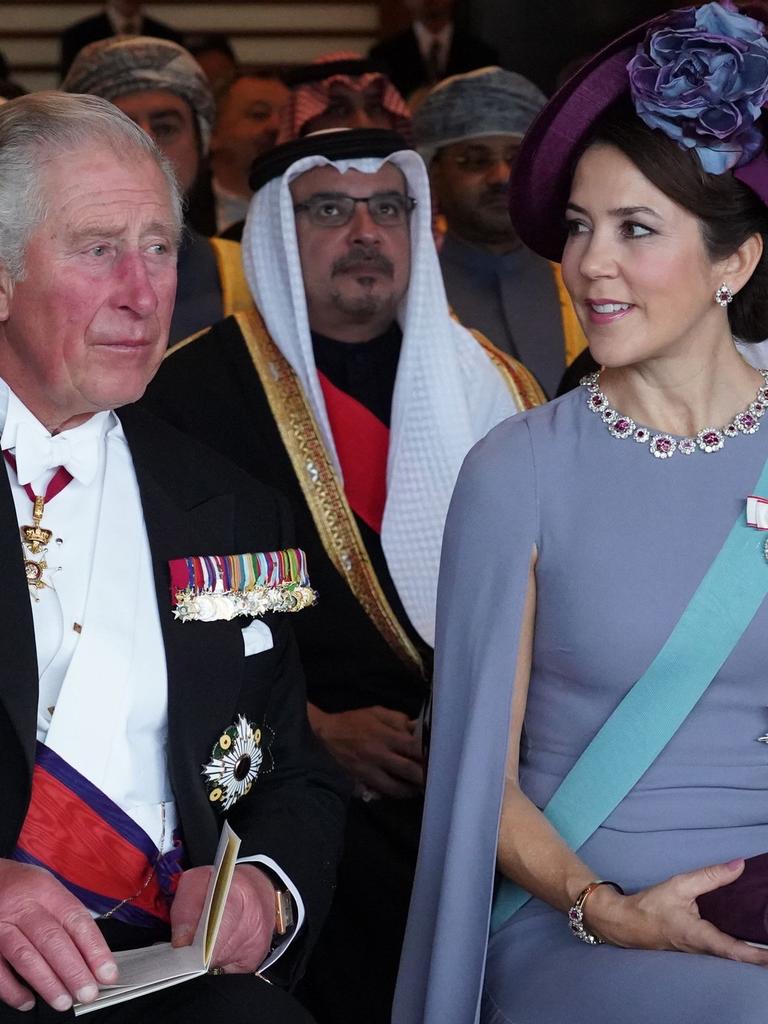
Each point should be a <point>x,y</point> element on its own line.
<point>728,211</point>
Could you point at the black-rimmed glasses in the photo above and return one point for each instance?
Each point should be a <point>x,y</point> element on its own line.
<point>335,209</point>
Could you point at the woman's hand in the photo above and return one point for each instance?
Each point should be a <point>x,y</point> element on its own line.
<point>666,916</point>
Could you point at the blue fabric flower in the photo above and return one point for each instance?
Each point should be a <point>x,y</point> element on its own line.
<point>703,79</point>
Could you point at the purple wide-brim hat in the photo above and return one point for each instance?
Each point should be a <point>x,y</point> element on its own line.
<point>542,180</point>
<point>541,183</point>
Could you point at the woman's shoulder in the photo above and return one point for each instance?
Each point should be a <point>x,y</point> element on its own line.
<point>550,428</point>
<point>518,460</point>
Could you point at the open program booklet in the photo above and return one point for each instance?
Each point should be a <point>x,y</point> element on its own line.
<point>155,967</point>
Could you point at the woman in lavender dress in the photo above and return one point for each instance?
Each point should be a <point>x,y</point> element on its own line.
<point>577,536</point>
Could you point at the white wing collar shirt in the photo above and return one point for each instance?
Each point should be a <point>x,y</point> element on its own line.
<point>101,659</point>
<point>99,646</point>
<point>447,395</point>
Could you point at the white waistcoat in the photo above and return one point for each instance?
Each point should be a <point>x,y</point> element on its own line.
<point>101,657</point>
<point>111,716</point>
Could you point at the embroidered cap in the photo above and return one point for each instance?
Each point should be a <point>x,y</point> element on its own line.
<point>489,101</point>
<point>124,64</point>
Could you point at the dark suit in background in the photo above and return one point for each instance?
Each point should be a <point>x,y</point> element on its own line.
<point>74,38</point>
<point>405,65</point>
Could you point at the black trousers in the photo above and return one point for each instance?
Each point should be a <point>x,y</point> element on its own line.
<point>352,970</point>
<point>230,998</point>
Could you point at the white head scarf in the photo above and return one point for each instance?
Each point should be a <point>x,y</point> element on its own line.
<point>447,393</point>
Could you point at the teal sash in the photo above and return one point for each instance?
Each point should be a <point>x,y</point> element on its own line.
<point>628,743</point>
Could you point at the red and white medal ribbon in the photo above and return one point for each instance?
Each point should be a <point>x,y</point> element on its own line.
<point>757,512</point>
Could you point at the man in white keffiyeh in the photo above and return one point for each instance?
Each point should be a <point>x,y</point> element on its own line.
<point>358,395</point>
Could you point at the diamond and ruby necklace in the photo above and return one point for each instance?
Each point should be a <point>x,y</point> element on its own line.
<point>664,446</point>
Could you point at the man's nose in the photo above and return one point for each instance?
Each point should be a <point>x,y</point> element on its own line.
<point>362,227</point>
<point>499,172</point>
<point>271,126</point>
<point>136,290</point>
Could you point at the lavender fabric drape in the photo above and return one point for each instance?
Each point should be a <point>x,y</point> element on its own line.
<point>623,541</point>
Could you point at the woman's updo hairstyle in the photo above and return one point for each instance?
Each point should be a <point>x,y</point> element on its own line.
<point>729,212</point>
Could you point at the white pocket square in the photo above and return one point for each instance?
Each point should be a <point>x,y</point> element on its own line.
<point>257,637</point>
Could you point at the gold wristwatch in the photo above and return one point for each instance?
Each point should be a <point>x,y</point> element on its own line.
<point>284,919</point>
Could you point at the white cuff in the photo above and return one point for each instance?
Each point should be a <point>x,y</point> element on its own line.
<point>277,952</point>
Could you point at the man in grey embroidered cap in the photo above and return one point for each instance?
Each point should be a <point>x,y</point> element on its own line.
<point>468,131</point>
<point>160,86</point>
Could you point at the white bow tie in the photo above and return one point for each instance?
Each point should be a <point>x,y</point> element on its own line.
<point>36,453</point>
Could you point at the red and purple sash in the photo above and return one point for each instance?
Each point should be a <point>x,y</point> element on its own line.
<point>362,444</point>
<point>93,847</point>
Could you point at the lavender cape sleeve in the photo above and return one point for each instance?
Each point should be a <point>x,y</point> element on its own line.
<point>491,528</point>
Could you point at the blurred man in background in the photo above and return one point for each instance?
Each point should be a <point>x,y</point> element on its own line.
<point>342,90</point>
<point>247,119</point>
<point>213,52</point>
<point>468,130</point>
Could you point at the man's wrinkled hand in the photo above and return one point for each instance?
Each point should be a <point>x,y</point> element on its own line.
<point>246,926</point>
<point>50,940</point>
<point>377,746</point>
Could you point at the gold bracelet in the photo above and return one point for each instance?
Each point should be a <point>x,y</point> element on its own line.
<point>576,913</point>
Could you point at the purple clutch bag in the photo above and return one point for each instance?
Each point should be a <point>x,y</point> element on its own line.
<point>741,908</point>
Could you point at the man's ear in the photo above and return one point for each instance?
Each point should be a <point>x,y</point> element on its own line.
<point>6,293</point>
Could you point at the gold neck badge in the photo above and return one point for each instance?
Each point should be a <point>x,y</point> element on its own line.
<point>35,539</point>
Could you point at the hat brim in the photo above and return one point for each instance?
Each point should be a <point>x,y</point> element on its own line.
<point>542,180</point>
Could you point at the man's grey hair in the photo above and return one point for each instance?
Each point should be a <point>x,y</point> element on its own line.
<point>41,126</point>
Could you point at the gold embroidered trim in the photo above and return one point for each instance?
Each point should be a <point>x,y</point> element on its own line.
<point>235,293</point>
<point>575,341</point>
<point>525,389</point>
<point>186,341</point>
<point>320,485</point>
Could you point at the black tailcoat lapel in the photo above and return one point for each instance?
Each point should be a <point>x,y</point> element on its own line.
<point>294,812</point>
<point>18,675</point>
<point>204,660</point>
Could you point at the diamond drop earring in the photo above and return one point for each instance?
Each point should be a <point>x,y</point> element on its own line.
<point>723,295</point>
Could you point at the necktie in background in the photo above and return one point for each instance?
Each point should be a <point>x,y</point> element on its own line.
<point>435,61</point>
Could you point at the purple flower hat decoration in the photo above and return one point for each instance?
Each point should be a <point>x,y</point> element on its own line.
<point>702,79</point>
